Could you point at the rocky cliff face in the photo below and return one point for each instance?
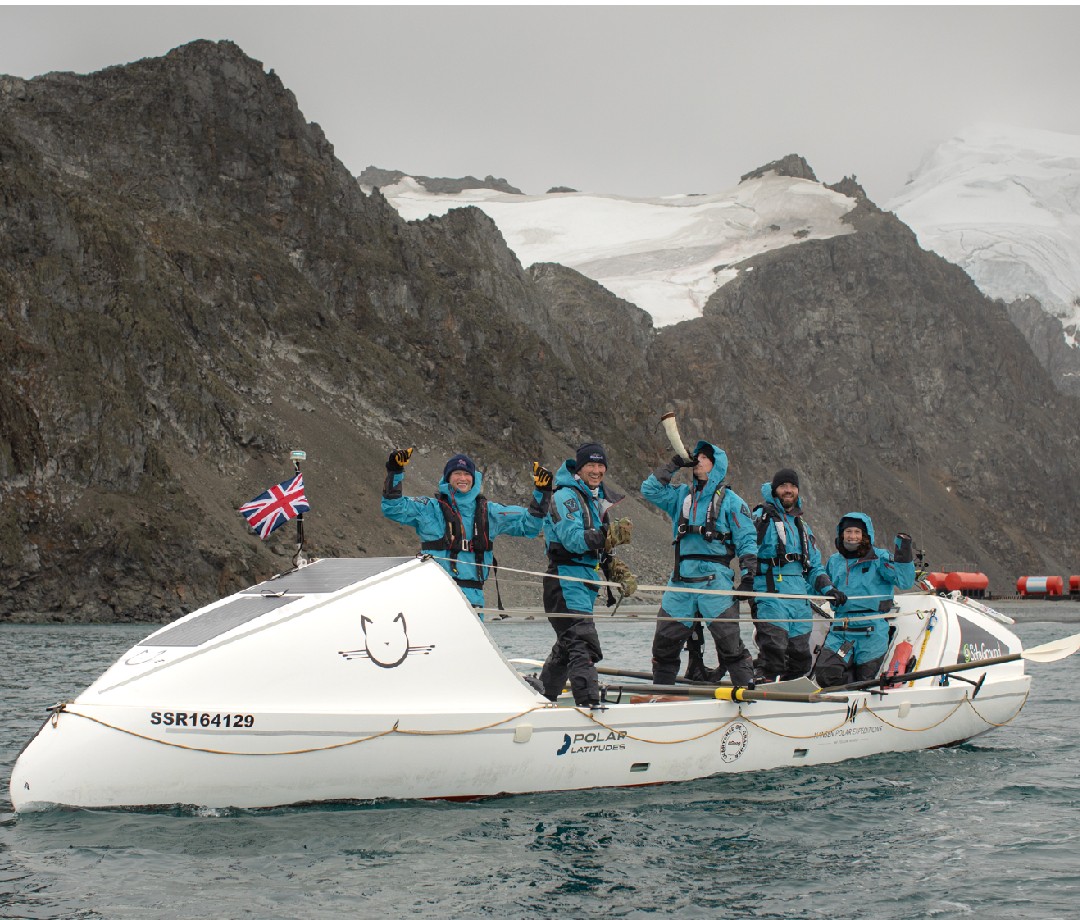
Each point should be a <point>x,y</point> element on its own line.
<point>922,401</point>
<point>377,178</point>
<point>1049,340</point>
<point>191,285</point>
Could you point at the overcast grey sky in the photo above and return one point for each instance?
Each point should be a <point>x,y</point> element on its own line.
<point>633,100</point>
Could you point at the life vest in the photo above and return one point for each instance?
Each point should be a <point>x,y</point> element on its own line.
<point>559,554</point>
<point>454,542</point>
<point>708,531</point>
<point>771,516</point>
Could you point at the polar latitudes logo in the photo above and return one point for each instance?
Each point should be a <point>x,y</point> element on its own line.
<point>592,742</point>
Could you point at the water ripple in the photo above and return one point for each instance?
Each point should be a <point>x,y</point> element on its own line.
<point>989,828</point>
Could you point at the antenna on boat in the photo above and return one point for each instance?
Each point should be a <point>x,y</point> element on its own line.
<point>298,558</point>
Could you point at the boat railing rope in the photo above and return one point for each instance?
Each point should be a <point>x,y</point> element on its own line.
<point>632,614</point>
<point>661,589</point>
<point>847,716</point>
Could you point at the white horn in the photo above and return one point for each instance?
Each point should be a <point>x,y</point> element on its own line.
<point>671,428</point>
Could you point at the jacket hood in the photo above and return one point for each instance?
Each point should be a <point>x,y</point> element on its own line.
<point>863,519</point>
<point>565,474</point>
<point>720,461</point>
<point>448,490</point>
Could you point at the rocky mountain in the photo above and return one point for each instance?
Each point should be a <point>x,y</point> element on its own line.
<point>191,285</point>
<point>373,176</point>
<point>1004,204</point>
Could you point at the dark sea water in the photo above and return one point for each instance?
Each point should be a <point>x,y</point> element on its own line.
<point>990,829</point>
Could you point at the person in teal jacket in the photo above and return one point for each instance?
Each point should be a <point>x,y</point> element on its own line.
<point>458,525</point>
<point>712,527</point>
<point>789,562</point>
<point>859,636</point>
<point>581,537</point>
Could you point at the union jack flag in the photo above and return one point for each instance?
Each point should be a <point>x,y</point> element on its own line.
<point>276,505</point>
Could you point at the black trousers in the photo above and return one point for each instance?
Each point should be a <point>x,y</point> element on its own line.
<point>780,654</point>
<point>575,652</point>
<point>671,636</point>
<point>831,670</point>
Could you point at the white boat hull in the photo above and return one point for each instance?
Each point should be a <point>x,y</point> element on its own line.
<point>298,704</point>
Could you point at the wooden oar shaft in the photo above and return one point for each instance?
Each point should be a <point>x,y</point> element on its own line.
<point>644,675</point>
<point>734,694</point>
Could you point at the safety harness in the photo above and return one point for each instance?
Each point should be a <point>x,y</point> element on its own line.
<point>770,515</point>
<point>707,531</point>
<point>593,558</point>
<point>558,553</point>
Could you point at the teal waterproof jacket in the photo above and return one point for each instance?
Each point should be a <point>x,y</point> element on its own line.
<point>575,532</point>
<point>709,534</point>
<point>869,582</point>
<point>785,565</point>
<point>467,564</point>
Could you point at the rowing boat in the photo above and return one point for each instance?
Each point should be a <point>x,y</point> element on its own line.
<point>366,679</point>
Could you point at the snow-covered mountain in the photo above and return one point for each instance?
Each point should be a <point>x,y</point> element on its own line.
<point>666,255</point>
<point>1004,204</point>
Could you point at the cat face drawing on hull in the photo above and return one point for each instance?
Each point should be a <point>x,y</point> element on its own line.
<point>386,640</point>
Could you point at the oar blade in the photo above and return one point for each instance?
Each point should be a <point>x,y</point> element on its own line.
<point>1053,651</point>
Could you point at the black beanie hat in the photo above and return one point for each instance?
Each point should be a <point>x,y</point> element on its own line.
<point>458,462</point>
<point>590,453</point>
<point>782,476</point>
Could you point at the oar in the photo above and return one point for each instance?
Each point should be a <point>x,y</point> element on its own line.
<point>734,694</point>
<point>613,672</point>
<point>1051,651</point>
<point>686,687</point>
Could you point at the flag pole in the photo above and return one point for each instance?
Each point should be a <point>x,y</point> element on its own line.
<point>298,559</point>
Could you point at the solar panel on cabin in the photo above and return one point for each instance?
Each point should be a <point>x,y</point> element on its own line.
<point>322,577</point>
<point>328,575</point>
<point>200,629</point>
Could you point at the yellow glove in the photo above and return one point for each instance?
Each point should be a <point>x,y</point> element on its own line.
<point>541,477</point>
<point>620,572</point>
<point>395,463</point>
<point>619,532</point>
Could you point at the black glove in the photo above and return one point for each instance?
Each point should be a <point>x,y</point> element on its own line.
<point>595,538</point>
<point>680,460</point>
<point>541,477</point>
<point>837,597</point>
<point>903,548</point>
<point>395,463</point>
<point>747,584</point>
